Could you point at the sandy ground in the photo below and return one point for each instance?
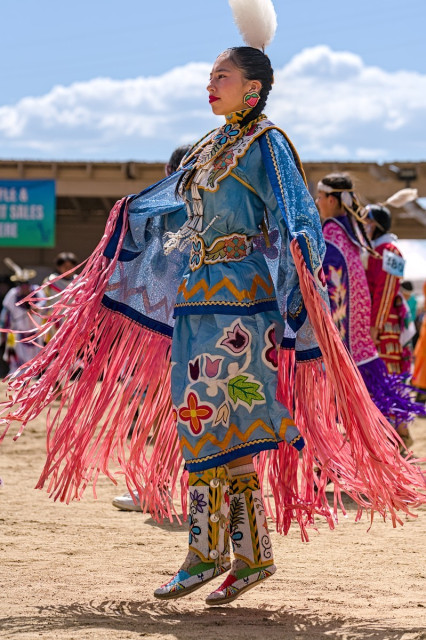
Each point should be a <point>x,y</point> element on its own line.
<point>87,571</point>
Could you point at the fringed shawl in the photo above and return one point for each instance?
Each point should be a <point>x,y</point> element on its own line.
<point>108,366</point>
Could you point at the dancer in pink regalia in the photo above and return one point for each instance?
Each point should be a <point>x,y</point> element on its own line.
<point>345,237</point>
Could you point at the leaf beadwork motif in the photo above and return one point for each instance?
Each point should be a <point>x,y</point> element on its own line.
<point>239,388</point>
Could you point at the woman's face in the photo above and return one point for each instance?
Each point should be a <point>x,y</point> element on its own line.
<point>328,205</point>
<point>228,86</point>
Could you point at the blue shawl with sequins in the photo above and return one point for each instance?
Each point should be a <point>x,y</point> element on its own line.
<point>145,282</point>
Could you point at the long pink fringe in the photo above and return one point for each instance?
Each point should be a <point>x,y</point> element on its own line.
<point>347,438</point>
<point>118,365</point>
<point>123,371</point>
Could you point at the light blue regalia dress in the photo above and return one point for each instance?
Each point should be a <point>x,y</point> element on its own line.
<point>228,321</point>
<point>236,294</point>
<point>202,318</point>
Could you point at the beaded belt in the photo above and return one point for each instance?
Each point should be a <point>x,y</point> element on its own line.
<point>231,248</point>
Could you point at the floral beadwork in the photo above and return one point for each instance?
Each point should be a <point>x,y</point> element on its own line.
<point>338,296</point>
<point>195,413</point>
<point>212,366</point>
<point>197,502</point>
<point>219,154</point>
<point>232,248</point>
<point>197,254</point>
<point>237,338</point>
<point>270,352</point>
<point>225,135</point>
<point>270,251</point>
<point>220,166</point>
<point>194,529</point>
<point>227,132</point>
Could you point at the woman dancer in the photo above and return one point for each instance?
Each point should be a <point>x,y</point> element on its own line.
<point>220,392</point>
<point>18,320</point>
<point>419,374</point>
<point>385,270</point>
<point>345,238</point>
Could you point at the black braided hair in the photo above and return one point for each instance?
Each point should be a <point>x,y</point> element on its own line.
<point>254,65</point>
<point>382,216</point>
<point>343,181</point>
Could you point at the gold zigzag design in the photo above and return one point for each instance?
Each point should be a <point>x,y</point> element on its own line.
<point>223,444</point>
<point>225,282</point>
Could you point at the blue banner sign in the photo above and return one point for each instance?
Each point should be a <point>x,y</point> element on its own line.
<point>27,213</point>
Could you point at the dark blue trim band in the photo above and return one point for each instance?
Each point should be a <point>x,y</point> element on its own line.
<point>225,309</point>
<point>299,444</point>
<point>128,256</point>
<point>223,458</point>
<point>309,354</point>
<point>288,343</point>
<point>272,175</point>
<point>303,244</point>
<point>140,318</point>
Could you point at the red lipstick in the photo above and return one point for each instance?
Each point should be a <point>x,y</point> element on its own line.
<point>213,99</point>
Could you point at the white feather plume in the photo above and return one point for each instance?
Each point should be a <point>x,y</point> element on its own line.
<point>404,196</point>
<point>256,21</point>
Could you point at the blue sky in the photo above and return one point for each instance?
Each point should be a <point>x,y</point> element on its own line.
<point>351,77</point>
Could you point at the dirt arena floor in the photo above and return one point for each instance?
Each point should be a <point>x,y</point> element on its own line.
<point>87,571</point>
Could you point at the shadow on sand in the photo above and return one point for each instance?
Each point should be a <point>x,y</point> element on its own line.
<point>146,617</point>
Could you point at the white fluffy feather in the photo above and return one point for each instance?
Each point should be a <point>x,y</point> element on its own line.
<point>404,196</point>
<point>256,21</point>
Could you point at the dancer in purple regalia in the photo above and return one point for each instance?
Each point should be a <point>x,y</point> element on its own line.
<point>343,229</point>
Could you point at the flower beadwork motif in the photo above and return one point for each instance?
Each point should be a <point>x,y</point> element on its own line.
<point>235,247</point>
<point>194,369</point>
<point>220,166</point>
<point>197,502</point>
<point>222,415</point>
<point>237,338</point>
<point>339,298</point>
<point>194,529</point>
<point>228,132</point>
<point>195,413</point>
<point>270,252</point>
<point>212,366</point>
<point>197,253</point>
<point>271,352</point>
<point>236,518</point>
<point>320,277</point>
<point>223,161</point>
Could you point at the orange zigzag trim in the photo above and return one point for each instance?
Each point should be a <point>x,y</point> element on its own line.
<point>233,429</point>
<point>225,282</point>
<point>223,444</point>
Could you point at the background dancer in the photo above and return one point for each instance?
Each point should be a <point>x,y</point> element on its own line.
<point>345,237</point>
<point>419,374</point>
<point>385,271</point>
<point>19,318</point>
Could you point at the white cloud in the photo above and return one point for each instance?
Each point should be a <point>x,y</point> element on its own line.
<point>331,104</point>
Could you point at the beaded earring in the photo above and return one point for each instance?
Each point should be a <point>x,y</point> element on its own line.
<point>251,99</point>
